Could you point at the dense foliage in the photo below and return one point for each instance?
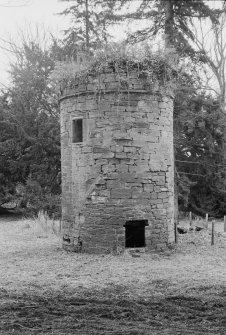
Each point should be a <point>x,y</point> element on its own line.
<point>29,131</point>
<point>198,138</point>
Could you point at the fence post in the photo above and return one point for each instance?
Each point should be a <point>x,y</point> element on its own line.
<point>175,231</point>
<point>60,227</point>
<point>225,223</point>
<point>207,218</point>
<point>212,235</point>
<point>190,218</point>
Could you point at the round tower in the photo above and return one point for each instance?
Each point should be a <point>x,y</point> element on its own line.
<point>117,162</point>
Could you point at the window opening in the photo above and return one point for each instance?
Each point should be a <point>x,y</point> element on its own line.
<point>77,132</point>
<point>135,233</point>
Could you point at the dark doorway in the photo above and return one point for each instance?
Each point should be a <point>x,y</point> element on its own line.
<point>135,233</point>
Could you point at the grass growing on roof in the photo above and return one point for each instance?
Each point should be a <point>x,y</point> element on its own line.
<point>152,66</point>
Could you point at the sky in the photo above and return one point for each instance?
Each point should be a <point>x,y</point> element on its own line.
<point>18,15</point>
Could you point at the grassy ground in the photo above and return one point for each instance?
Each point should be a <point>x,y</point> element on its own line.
<point>45,290</point>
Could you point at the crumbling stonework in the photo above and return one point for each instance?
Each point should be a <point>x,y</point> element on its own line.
<point>123,168</point>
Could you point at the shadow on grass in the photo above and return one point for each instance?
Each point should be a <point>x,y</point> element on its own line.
<point>103,312</point>
<point>10,214</point>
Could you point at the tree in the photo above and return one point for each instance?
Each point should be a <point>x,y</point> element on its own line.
<point>211,44</point>
<point>30,143</point>
<point>90,20</point>
<point>198,138</point>
<point>7,154</point>
<point>172,18</point>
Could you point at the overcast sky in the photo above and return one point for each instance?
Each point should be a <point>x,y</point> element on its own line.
<point>17,15</point>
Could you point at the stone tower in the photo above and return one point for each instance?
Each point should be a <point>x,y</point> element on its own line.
<point>117,163</point>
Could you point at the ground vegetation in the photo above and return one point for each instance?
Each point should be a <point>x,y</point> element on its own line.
<point>45,290</point>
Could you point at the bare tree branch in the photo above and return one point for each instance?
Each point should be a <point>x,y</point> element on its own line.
<point>212,45</point>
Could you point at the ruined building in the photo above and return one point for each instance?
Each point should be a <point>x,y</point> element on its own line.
<point>117,163</point>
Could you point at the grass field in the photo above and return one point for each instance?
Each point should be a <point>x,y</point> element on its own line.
<point>45,290</point>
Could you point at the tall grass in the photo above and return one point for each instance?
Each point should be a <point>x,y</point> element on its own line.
<point>48,225</point>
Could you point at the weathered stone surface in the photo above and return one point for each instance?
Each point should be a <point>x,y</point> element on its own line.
<point>122,193</point>
<point>123,169</point>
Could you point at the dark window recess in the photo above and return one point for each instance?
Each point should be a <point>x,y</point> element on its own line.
<point>135,233</point>
<point>77,135</point>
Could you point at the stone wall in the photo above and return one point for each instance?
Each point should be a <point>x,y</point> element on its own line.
<point>123,169</point>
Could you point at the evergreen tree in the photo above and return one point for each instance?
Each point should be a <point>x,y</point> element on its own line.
<point>90,20</point>
<point>8,149</point>
<point>29,128</point>
<point>198,139</point>
<point>172,18</point>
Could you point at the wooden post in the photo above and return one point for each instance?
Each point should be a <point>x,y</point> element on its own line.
<point>175,231</point>
<point>60,226</point>
<point>46,221</point>
<point>225,223</point>
<point>207,218</point>
<point>190,218</point>
<point>212,235</point>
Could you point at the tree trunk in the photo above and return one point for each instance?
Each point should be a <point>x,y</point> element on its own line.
<point>169,29</point>
<point>176,210</point>
<point>87,25</point>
